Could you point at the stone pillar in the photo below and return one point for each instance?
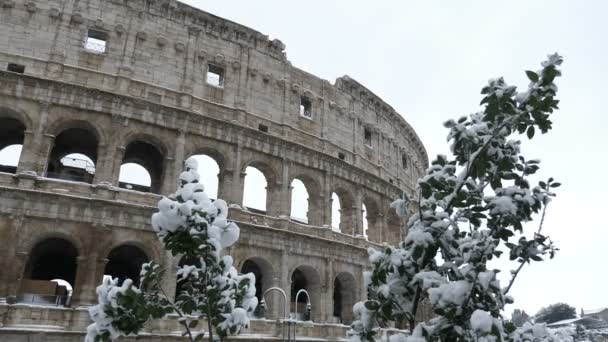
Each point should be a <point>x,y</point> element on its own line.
<point>276,194</point>
<point>326,201</point>
<point>46,146</point>
<point>376,230</point>
<point>357,214</point>
<point>285,282</point>
<point>118,157</point>
<point>174,166</point>
<point>103,167</point>
<point>329,295</point>
<point>15,274</point>
<point>28,158</point>
<point>168,178</point>
<point>169,280</point>
<point>225,185</point>
<point>82,285</point>
<point>238,178</point>
<point>279,196</point>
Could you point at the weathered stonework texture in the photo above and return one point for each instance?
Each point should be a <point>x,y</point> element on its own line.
<point>147,99</point>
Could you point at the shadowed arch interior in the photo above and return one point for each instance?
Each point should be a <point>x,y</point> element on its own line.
<point>262,270</point>
<point>12,134</point>
<point>77,140</point>
<point>344,297</point>
<point>150,158</point>
<point>52,258</point>
<point>306,278</point>
<point>125,262</point>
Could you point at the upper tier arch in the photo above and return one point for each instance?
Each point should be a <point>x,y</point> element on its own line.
<point>161,51</point>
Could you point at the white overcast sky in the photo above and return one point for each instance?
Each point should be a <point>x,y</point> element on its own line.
<point>429,59</point>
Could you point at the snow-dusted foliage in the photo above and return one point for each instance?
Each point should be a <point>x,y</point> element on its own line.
<point>468,206</point>
<point>196,228</point>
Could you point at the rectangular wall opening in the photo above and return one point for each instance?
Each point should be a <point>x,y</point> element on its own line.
<point>96,41</point>
<point>215,76</point>
<point>18,68</point>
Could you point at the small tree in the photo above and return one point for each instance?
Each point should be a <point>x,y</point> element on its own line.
<point>555,312</point>
<point>192,226</point>
<point>467,207</point>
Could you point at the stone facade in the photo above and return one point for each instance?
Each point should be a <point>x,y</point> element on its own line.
<point>145,94</point>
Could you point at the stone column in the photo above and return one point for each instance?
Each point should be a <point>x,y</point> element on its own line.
<point>174,166</point>
<point>15,274</point>
<point>376,230</point>
<point>285,282</point>
<point>46,146</point>
<point>326,201</point>
<point>169,280</point>
<point>329,295</point>
<point>238,178</point>
<point>225,184</point>
<point>357,217</point>
<point>27,159</point>
<point>118,157</point>
<point>103,167</point>
<point>82,285</point>
<point>279,196</point>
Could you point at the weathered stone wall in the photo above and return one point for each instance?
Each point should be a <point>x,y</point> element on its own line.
<point>150,87</point>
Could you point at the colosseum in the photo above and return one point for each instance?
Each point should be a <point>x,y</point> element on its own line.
<point>150,83</point>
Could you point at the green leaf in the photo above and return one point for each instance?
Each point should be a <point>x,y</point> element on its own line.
<point>530,132</point>
<point>556,185</point>
<point>532,76</point>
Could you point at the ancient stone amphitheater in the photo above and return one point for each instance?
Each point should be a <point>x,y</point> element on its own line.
<point>153,82</point>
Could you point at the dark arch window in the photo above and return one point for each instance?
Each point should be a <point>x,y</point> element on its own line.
<point>51,263</point>
<point>125,262</point>
<point>12,133</point>
<point>251,266</point>
<point>298,282</point>
<point>74,155</point>
<point>305,278</point>
<point>148,157</point>
<point>344,297</point>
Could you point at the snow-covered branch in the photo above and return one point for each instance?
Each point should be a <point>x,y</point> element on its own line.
<point>466,297</point>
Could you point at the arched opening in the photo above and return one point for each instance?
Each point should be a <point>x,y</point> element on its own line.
<point>186,260</point>
<point>147,157</point>
<point>9,158</point>
<point>299,201</point>
<point>365,219</point>
<point>255,190</point>
<point>134,177</point>
<point>125,262</point>
<point>12,134</point>
<point>344,210</point>
<point>74,155</point>
<point>262,270</point>
<point>305,278</point>
<point>335,211</point>
<point>209,170</point>
<point>344,298</point>
<point>51,264</point>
